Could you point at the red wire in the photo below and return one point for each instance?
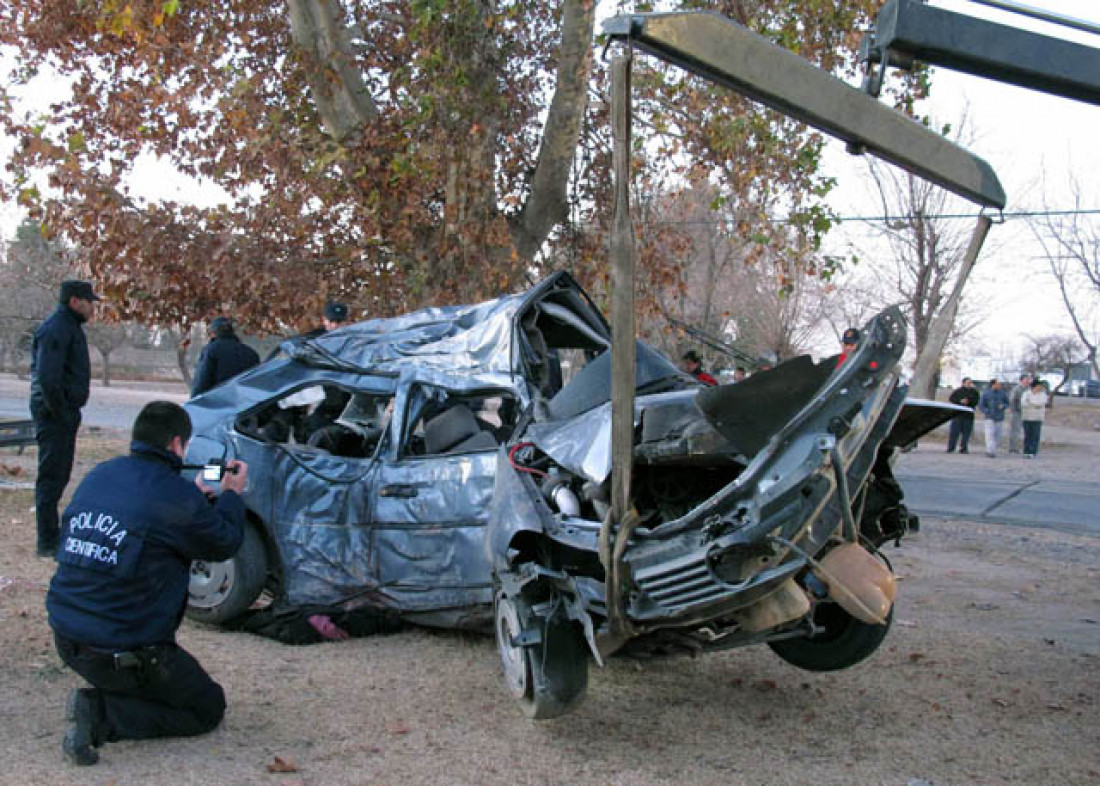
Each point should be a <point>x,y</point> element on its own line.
<point>519,468</point>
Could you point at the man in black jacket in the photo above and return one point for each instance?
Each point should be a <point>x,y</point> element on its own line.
<point>223,358</point>
<point>118,596</point>
<point>962,425</point>
<point>60,379</point>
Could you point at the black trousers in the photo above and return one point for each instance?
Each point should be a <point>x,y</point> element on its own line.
<point>1033,429</point>
<point>173,697</point>
<point>55,434</point>
<point>962,426</point>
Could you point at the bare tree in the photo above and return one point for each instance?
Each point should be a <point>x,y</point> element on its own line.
<point>1052,353</point>
<point>1071,244</point>
<point>735,277</point>
<point>928,269</point>
<point>33,267</point>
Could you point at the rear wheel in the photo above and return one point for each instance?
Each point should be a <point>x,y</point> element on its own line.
<point>549,677</point>
<point>844,641</point>
<point>221,591</point>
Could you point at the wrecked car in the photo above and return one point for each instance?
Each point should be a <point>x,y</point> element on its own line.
<point>461,478</point>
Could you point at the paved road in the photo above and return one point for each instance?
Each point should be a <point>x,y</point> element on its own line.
<point>1069,507</point>
<point>113,407</point>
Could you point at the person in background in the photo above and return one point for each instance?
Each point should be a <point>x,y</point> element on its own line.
<point>1015,423</point>
<point>60,381</point>
<point>848,343</point>
<point>693,364</point>
<point>993,404</point>
<point>962,425</point>
<point>1033,408</point>
<point>131,531</point>
<point>740,375</point>
<point>223,358</point>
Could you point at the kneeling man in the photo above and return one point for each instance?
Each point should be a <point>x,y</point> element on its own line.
<point>127,541</point>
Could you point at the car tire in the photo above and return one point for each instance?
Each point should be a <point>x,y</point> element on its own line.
<point>222,591</point>
<point>844,641</point>
<point>548,678</point>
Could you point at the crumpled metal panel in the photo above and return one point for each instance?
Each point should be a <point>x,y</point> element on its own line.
<point>456,340</point>
<point>583,444</point>
<point>428,545</point>
<point>513,509</point>
<point>325,539</point>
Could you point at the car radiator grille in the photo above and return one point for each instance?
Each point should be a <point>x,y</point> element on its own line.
<point>680,583</point>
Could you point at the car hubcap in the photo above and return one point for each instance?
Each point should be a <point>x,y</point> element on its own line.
<point>512,657</point>
<point>210,583</point>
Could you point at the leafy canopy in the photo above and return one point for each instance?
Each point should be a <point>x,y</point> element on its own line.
<point>391,152</point>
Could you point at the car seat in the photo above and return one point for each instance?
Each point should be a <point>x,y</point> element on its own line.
<point>456,431</point>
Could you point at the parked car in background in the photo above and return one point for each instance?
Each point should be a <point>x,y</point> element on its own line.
<point>464,481</point>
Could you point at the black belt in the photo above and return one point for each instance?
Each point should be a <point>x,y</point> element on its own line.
<point>140,658</point>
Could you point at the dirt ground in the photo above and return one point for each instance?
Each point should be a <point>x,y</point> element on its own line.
<point>990,675</point>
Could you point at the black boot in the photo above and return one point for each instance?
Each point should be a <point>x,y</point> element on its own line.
<point>79,744</point>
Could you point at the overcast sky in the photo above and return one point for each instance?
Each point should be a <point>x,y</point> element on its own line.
<point>1034,142</point>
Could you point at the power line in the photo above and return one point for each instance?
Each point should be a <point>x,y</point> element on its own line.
<point>878,218</point>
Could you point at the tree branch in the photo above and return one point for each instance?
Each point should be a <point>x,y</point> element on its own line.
<point>547,203</point>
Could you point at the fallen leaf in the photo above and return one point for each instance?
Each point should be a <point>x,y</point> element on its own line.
<point>767,685</point>
<point>282,764</point>
<point>397,727</point>
<point>1000,702</point>
<point>916,656</point>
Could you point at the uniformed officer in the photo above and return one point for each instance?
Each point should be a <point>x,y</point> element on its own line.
<point>60,378</point>
<point>130,533</point>
<point>223,358</point>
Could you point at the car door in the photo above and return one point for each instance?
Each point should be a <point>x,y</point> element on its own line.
<point>430,505</point>
<point>315,498</point>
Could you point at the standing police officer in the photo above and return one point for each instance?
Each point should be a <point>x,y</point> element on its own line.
<point>131,531</point>
<point>223,358</point>
<point>60,378</point>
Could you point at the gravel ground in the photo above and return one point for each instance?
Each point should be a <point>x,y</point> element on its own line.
<point>990,675</point>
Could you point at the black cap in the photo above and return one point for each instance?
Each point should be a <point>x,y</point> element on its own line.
<point>335,311</point>
<point>693,356</point>
<point>78,289</point>
<point>851,336</point>
<point>221,326</point>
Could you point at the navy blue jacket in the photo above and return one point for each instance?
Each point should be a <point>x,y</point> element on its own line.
<point>60,369</point>
<point>993,404</point>
<point>127,541</point>
<point>223,358</point>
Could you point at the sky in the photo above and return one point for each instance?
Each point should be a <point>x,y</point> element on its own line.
<point>1033,141</point>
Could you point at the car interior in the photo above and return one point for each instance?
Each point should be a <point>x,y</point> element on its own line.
<point>322,417</point>
<point>442,422</point>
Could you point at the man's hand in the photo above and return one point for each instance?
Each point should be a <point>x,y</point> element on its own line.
<point>235,478</point>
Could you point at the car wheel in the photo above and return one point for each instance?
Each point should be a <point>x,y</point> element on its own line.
<point>220,591</point>
<point>548,678</point>
<point>843,642</point>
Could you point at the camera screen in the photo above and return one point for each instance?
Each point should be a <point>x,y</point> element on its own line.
<point>212,472</point>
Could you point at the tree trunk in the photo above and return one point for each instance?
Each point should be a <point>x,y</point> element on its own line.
<point>341,96</point>
<point>181,361</point>
<point>106,354</point>
<point>548,205</point>
<point>939,329</point>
